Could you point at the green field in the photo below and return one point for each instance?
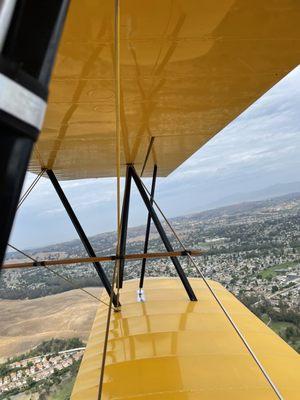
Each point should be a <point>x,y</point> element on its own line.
<point>64,390</point>
<point>204,245</point>
<point>271,272</point>
<point>278,326</point>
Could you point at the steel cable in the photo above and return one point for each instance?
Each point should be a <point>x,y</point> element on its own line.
<point>58,274</point>
<point>30,188</point>
<point>241,336</point>
<point>24,197</point>
<point>116,272</point>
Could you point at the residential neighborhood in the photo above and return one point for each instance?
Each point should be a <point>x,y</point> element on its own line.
<point>251,248</point>
<point>18,376</point>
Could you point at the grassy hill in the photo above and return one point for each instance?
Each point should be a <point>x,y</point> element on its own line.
<point>26,323</point>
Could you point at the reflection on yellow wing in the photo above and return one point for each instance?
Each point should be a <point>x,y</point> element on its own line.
<point>170,348</point>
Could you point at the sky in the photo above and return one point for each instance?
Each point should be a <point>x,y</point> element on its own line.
<point>258,149</point>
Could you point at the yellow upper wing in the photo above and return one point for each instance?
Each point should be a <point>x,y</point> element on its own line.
<point>188,68</point>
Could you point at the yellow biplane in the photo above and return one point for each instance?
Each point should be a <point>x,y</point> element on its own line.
<point>137,87</point>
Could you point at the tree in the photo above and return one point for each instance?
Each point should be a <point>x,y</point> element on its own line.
<point>289,332</point>
<point>274,289</point>
<point>30,382</point>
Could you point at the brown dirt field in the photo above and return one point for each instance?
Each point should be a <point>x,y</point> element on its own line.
<point>26,323</point>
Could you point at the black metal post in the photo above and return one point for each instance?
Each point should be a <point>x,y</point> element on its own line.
<point>148,227</point>
<point>28,46</point>
<point>81,233</point>
<point>124,225</point>
<point>162,234</point>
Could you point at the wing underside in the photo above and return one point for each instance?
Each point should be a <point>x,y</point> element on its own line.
<point>187,69</point>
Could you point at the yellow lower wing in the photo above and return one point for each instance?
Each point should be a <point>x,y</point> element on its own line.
<point>170,348</point>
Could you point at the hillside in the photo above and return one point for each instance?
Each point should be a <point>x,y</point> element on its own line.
<point>26,323</point>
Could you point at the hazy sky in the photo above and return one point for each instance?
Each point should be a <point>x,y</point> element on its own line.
<point>258,149</point>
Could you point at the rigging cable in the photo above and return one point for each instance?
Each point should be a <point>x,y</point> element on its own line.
<point>30,188</point>
<point>58,274</point>
<point>118,165</point>
<point>24,197</point>
<point>118,131</point>
<point>231,321</point>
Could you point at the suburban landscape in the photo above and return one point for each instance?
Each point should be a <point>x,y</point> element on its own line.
<point>39,370</point>
<point>252,248</point>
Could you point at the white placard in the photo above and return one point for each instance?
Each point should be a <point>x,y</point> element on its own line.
<point>21,103</point>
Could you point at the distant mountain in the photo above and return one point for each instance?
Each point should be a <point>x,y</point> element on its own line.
<point>244,207</point>
<point>269,192</point>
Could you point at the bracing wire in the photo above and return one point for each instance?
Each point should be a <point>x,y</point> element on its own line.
<point>239,333</point>
<point>31,185</point>
<point>231,321</point>
<point>24,197</point>
<point>59,275</point>
<point>115,278</point>
<point>118,131</point>
<point>106,334</point>
<point>30,188</point>
<point>74,286</point>
<point>22,252</point>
